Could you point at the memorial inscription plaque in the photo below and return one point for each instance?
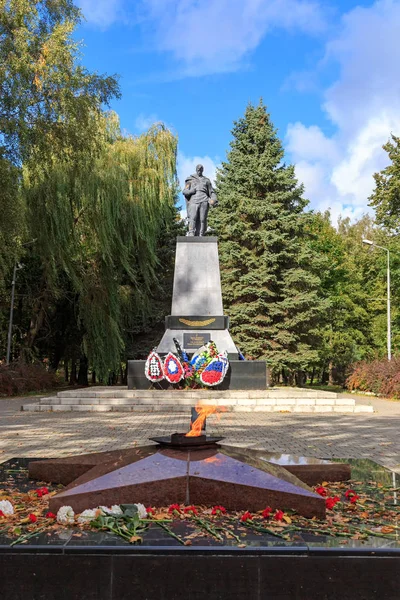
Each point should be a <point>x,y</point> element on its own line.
<point>193,341</point>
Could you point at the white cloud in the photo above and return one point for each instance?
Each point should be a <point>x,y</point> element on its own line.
<point>211,36</point>
<point>363,104</point>
<point>101,13</point>
<point>187,166</point>
<point>143,122</point>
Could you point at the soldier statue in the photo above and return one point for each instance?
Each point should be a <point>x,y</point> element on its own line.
<point>199,195</point>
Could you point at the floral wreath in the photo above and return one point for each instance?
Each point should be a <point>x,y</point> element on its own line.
<point>154,368</point>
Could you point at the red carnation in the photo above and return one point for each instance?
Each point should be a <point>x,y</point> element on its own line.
<point>150,510</point>
<point>51,515</point>
<point>174,508</point>
<point>354,498</point>
<point>266,513</point>
<point>247,516</point>
<point>278,516</point>
<point>218,510</point>
<point>349,493</point>
<point>32,518</point>
<point>2,514</point>
<point>43,491</point>
<point>330,502</point>
<point>190,510</point>
<point>321,490</point>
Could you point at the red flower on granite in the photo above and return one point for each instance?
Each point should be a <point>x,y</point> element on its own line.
<point>247,516</point>
<point>174,508</point>
<point>321,490</point>
<point>330,502</point>
<point>150,510</point>
<point>218,510</point>
<point>51,515</point>
<point>266,513</point>
<point>32,518</point>
<point>278,516</point>
<point>190,510</point>
<point>349,493</point>
<point>352,496</point>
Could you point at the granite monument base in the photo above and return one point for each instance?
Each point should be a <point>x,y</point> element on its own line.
<point>69,564</point>
<point>242,375</point>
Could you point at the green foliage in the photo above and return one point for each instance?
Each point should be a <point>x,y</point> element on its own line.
<point>97,232</point>
<point>12,222</point>
<point>96,203</point>
<point>269,268</point>
<point>386,196</point>
<point>48,100</point>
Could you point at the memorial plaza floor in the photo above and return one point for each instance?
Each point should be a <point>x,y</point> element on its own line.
<point>365,435</point>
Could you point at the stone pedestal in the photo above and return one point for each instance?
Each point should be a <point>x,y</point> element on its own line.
<point>197,316</point>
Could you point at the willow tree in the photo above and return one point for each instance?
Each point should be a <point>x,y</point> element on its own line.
<point>50,107</point>
<point>97,227</point>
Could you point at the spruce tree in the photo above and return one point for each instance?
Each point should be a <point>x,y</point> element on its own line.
<point>268,267</point>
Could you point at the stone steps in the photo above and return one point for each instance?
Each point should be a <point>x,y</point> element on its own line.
<point>120,392</point>
<point>123,400</point>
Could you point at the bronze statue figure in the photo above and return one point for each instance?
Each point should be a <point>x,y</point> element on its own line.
<point>199,195</point>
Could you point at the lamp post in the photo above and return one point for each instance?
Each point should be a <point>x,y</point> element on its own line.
<point>389,329</point>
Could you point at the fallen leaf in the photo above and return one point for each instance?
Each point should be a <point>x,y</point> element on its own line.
<point>287,519</point>
<point>135,538</point>
<point>386,529</point>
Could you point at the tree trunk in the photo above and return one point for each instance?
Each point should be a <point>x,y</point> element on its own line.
<point>83,371</point>
<point>66,374</point>
<point>36,323</point>
<point>72,377</point>
<point>312,376</point>
<point>300,378</point>
<point>331,374</point>
<point>94,377</point>
<point>123,376</point>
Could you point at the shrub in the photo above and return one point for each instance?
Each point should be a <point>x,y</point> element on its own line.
<point>378,376</point>
<point>19,378</point>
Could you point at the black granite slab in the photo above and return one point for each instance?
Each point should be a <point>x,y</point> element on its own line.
<point>67,565</point>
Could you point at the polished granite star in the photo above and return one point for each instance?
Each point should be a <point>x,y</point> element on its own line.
<point>236,478</point>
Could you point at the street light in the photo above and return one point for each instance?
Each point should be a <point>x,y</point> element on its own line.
<point>389,332</point>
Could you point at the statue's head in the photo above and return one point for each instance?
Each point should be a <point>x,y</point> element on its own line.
<point>199,170</point>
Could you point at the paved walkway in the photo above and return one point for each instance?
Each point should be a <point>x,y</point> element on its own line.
<point>370,435</point>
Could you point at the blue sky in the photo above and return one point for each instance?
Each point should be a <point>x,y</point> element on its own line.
<point>328,71</point>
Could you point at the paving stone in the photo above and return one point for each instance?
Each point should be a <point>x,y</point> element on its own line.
<point>333,434</point>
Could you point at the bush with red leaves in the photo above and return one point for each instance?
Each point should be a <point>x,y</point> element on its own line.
<point>19,378</point>
<point>378,376</point>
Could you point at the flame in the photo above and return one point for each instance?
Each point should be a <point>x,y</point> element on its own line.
<point>203,412</point>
